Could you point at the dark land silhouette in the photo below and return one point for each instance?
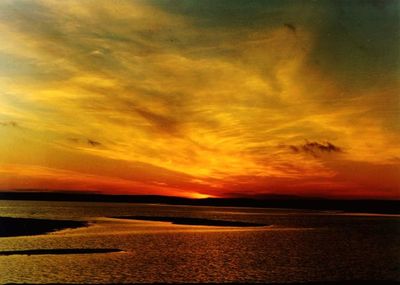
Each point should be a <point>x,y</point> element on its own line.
<point>60,251</point>
<point>11,227</point>
<point>272,201</point>
<point>192,221</point>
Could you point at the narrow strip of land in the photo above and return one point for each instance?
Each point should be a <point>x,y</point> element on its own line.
<point>11,227</point>
<point>193,221</point>
<point>60,251</point>
<point>270,201</point>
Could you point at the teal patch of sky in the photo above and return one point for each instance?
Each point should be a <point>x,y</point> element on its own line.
<point>359,43</point>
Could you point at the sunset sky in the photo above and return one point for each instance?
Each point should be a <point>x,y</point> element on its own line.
<point>201,98</point>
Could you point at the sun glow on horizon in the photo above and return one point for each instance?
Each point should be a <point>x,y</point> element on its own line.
<point>200,196</point>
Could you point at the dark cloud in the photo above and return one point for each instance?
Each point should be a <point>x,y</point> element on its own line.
<point>291,27</point>
<point>90,142</point>
<point>315,148</point>
<point>162,123</point>
<point>9,124</point>
<point>93,143</point>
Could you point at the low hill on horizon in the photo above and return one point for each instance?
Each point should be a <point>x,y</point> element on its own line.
<point>272,201</point>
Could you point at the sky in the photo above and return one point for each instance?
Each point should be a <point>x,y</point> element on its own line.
<point>201,98</point>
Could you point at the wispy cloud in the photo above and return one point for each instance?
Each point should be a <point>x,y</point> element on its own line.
<point>9,124</point>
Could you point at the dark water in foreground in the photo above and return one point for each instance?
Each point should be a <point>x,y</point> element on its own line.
<point>298,246</point>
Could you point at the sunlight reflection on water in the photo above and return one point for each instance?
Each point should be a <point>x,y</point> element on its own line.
<point>296,247</point>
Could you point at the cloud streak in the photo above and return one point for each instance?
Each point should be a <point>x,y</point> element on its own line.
<point>9,124</point>
<point>316,148</point>
<point>93,143</point>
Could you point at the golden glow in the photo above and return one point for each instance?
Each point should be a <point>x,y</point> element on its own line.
<point>200,196</point>
<point>136,98</point>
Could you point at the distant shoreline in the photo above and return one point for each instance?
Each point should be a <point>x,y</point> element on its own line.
<point>273,201</point>
<point>59,251</point>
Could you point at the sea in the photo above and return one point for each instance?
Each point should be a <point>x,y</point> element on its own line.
<point>294,246</point>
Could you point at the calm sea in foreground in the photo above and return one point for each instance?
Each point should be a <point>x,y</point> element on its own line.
<point>298,246</point>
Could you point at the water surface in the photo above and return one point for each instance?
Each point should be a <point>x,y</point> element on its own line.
<point>296,246</point>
